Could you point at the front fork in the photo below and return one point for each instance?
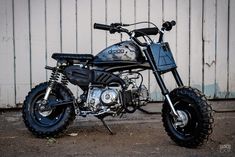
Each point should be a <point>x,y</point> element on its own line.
<point>161,83</point>
<point>165,91</point>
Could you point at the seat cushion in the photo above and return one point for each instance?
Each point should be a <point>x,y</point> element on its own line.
<point>70,56</point>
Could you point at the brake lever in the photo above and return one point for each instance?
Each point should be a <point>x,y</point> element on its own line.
<point>113,30</point>
<point>118,29</point>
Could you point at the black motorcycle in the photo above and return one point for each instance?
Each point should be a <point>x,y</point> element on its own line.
<point>112,85</point>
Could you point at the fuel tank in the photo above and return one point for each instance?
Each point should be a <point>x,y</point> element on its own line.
<point>125,52</point>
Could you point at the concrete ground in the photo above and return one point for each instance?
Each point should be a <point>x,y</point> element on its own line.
<point>137,134</point>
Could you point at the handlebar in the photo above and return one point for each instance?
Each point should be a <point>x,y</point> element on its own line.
<point>146,31</point>
<point>117,27</point>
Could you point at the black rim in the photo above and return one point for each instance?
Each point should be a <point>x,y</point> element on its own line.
<point>56,114</point>
<point>191,128</point>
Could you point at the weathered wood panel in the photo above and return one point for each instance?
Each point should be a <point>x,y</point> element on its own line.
<point>22,49</point>
<point>128,14</point>
<point>155,13</point>
<point>98,16</point>
<point>53,40</point>
<point>195,45</point>
<point>182,39</point>
<point>231,46</point>
<point>209,47</point>
<point>142,14</point>
<point>7,90</point>
<point>31,30</point>
<point>113,15</point>
<point>169,13</point>
<point>68,30</point>
<point>221,49</point>
<point>84,27</point>
<point>38,53</point>
<point>68,19</point>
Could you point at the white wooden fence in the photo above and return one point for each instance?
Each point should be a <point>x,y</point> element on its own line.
<point>203,41</point>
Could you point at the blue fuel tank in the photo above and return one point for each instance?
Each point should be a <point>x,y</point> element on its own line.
<point>125,52</point>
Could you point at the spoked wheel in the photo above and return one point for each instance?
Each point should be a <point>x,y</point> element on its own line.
<point>43,120</point>
<point>195,123</point>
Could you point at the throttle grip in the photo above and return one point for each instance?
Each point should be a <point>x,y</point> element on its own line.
<point>102,26</point>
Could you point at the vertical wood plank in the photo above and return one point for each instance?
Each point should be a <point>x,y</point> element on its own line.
<point>221,49</point>
<point>113,16</point>
<point>142,15</point>
<point>231,49</point>
<point>7,91</point>
<point>156,12</point>
<point>169,15</point>
<point>170,37</point>
<point>68,26</point>
<point>128,8</point>
<point>209,47</point>
<point>22,49</point>
<point>195,78</point>
<point>142,12</point>
<point>53,31</point>
<point>37,15</point>
<point>156,18</point>
<point>53,43</point>
<point>84,26</point>
<point>83,29</point>
<point>98,16</point>
<point>182,48</point>
<point>68,19</point>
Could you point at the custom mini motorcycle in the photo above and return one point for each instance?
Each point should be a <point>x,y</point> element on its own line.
<point>112,85</point>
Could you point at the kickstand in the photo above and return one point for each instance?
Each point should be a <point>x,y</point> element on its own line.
<point>107,127</point>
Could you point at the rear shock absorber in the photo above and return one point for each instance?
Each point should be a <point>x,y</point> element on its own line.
<point>64,80</point>
<point>54,77</point>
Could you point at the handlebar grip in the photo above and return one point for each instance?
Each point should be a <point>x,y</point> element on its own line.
<point>145,31</point>
<point>168,25</point>
<point>102,26</point>
<point>173,23</point>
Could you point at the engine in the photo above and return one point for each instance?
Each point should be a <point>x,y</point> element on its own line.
<point>101,100</point>
<point>136,94</point>
<point>110,99</point>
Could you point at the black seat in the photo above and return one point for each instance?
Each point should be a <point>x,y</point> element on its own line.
<point>72,57</point>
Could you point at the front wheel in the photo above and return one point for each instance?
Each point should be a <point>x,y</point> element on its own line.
<point>52,121</point>
<point>196,114</point>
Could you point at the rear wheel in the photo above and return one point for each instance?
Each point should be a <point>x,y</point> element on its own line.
<point>47,121</point>
<point>196,114</point>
